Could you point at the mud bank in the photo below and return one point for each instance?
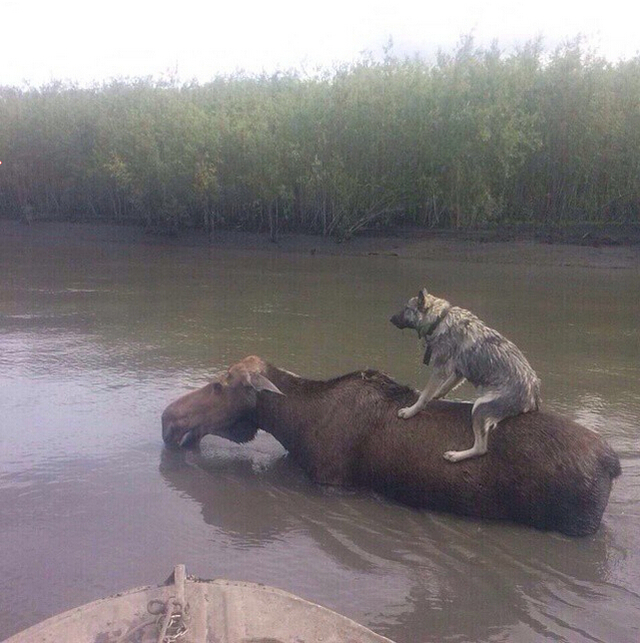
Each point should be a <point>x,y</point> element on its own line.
<point>480,247</point>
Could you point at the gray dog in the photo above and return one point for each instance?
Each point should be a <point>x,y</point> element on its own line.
<point>462,347</point>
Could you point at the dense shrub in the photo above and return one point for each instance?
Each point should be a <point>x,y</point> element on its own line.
<point>475,138</point>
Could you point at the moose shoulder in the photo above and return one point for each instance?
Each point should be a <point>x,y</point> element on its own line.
<point>542,469</point>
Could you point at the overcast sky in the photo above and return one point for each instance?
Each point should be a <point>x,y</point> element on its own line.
<point>87,40</point>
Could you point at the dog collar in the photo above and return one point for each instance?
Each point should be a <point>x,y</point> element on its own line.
<point>428,350</point>
<point>435,324</point>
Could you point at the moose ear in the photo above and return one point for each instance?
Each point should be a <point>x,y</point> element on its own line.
<point>422,299</point>
<point>261,383</point>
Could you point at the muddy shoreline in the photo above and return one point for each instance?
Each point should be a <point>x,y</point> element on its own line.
<point>582,248</point>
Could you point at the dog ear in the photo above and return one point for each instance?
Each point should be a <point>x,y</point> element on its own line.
<point>422,300</point>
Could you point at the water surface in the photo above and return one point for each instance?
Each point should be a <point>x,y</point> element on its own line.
<point>95,340</point>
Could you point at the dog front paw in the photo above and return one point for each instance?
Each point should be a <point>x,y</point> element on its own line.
<point>454,456</point>
<point>406,413</point>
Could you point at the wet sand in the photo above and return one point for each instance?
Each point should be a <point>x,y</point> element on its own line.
<point>583,250</point>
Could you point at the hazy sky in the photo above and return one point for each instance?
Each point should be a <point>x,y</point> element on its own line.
<point>87,40</point>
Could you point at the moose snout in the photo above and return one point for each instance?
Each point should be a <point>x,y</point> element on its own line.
<point>174,433</point>
<point>168,423</point>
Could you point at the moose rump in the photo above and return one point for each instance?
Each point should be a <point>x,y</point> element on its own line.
<point>542,469</point>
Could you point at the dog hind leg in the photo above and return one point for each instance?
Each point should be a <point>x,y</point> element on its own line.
<point>487,412</point>
<point>481,430</point>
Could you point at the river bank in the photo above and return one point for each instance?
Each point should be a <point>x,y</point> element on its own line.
<point>583,247</point>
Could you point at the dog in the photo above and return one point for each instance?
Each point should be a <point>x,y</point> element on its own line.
<point>461,347</point>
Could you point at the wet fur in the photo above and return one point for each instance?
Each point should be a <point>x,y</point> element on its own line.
<point>460,346</point>
<point>543,470</point>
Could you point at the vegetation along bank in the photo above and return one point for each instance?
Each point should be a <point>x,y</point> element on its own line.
<point>476,138</point>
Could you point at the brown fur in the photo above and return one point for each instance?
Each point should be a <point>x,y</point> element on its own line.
<point>346,432</point>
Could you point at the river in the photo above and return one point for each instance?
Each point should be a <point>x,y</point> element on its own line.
<point>96,339</point>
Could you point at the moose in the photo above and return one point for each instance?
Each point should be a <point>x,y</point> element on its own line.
<point>542,470</point>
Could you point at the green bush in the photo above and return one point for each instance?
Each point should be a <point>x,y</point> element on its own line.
<point>475,138</point>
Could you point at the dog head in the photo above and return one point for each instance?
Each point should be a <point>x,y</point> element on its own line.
<point>420,312</point>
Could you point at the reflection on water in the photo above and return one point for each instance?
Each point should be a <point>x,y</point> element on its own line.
<point>94,342</point>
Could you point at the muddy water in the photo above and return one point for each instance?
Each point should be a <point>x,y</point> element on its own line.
<point>96,340</point>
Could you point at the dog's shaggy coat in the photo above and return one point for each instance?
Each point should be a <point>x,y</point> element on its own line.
<point>460,347</point>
